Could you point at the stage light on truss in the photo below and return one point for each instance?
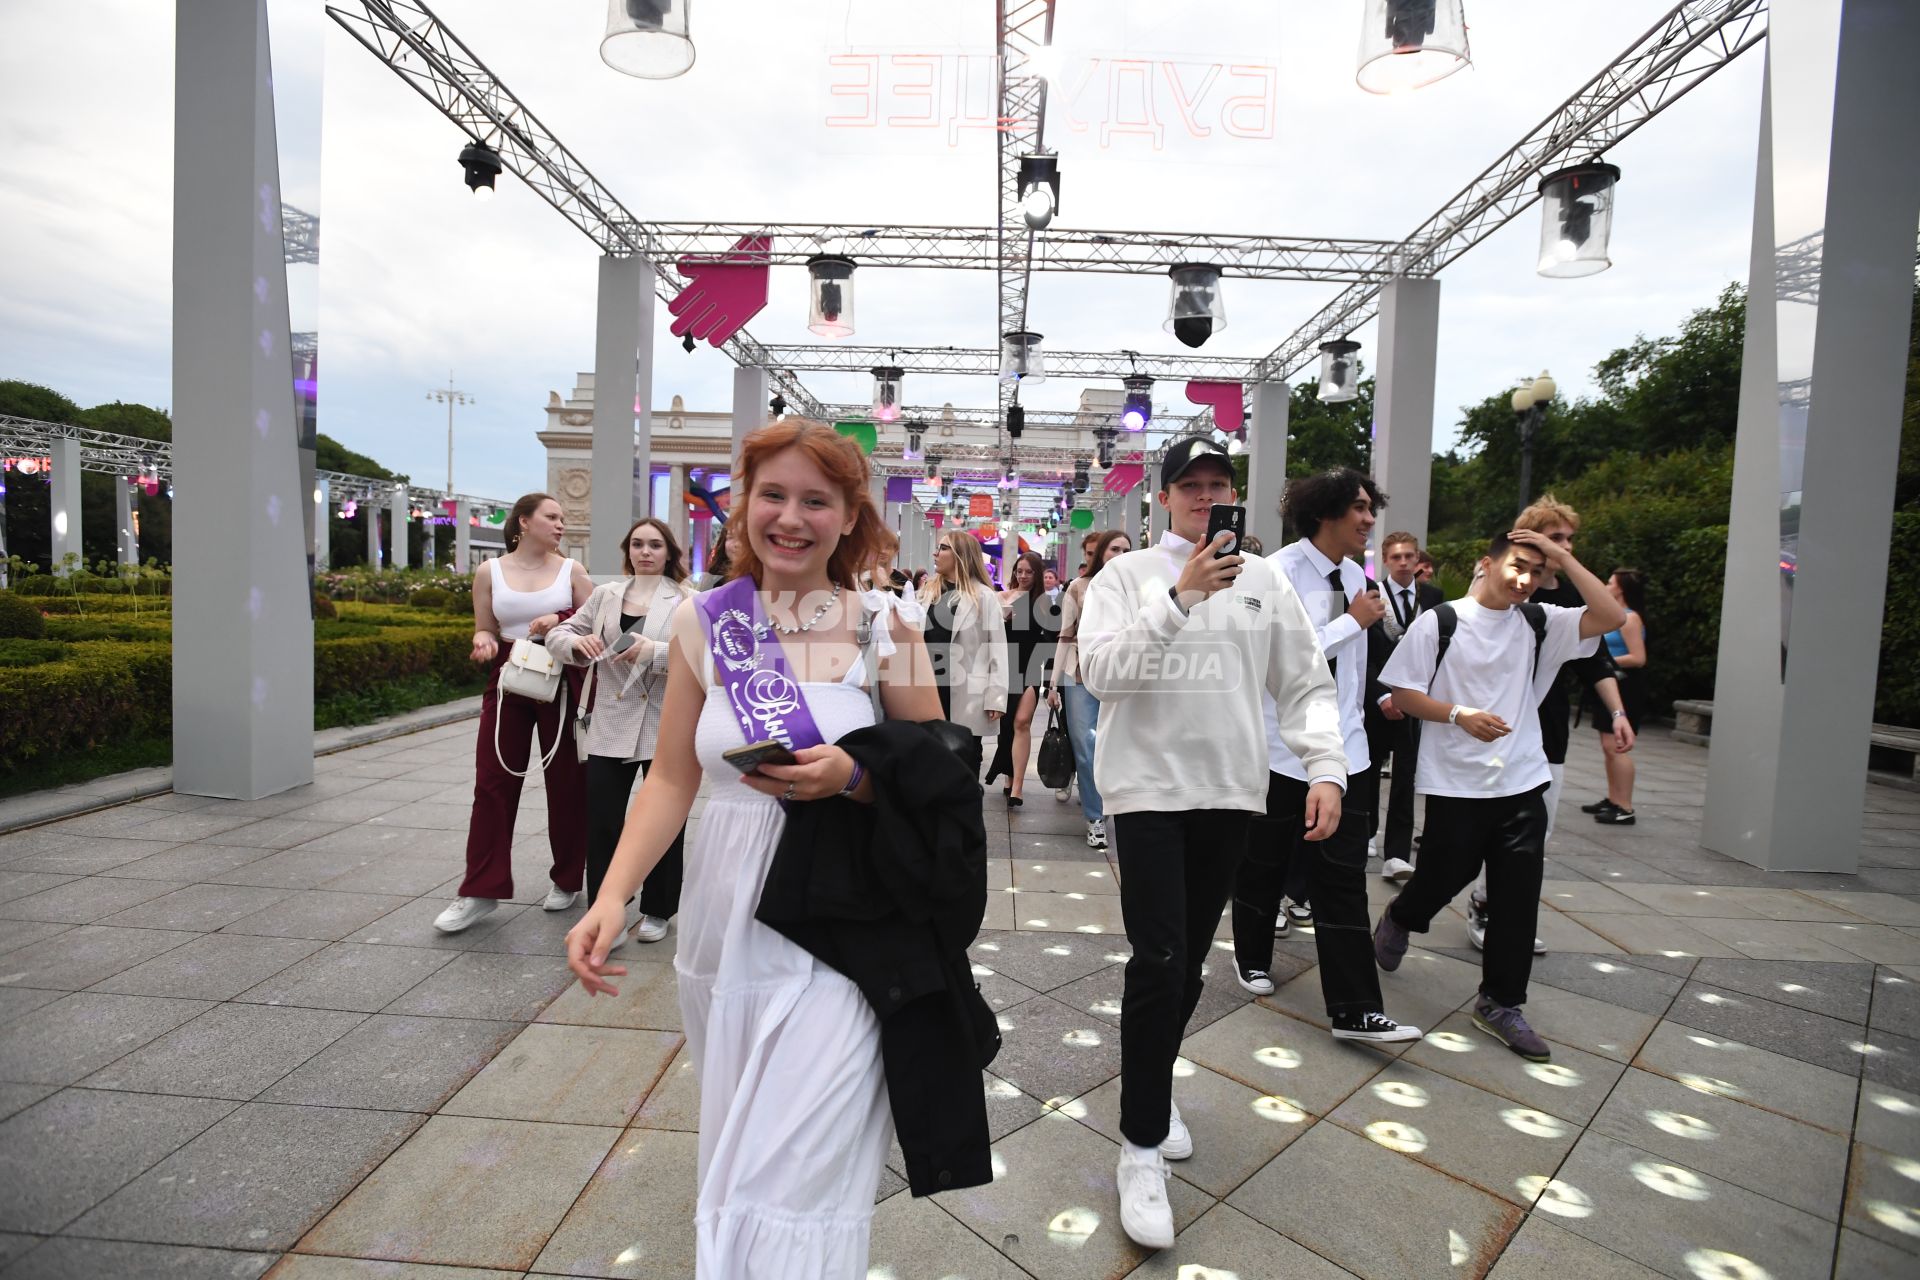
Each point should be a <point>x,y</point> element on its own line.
<point>1339,371</point>
<point>1196,310</point>
<point>1408,44</point>
<point>933,467</point>
<point>830,295</point>
<point>1016,420</point>
<point>1576,219</point>
<point>887,383</point>
<point>482,165</point>
<point>1039,187</point>
<point>916,438</point>
<point>1011,468</point>
<point>1082,475</point>
<point>648,39</point>
<point>1137,412</point>
<point>1103,438</point>
<point>1021,359</point>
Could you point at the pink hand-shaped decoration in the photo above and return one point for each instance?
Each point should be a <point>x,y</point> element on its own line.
<point>1122,477</point>
<point>722,293</point>
<point>1229,415</point>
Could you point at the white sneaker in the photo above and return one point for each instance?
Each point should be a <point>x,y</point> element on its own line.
<point>1063,794</point>
<point>1178,1144</point>
<point>1097,834</point>
<point>1398,870</point>
<point>1258,981</point>
<point>633,917</point>
<point>1145,1214</point>
<point>462,913</point>
<point>650,929</point>
<point>559,899</point>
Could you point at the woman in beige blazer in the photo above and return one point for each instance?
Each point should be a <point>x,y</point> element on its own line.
<point>622,711</point>
<point>965,637</point>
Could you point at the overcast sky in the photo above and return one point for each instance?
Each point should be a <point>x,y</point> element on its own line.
<point>418,279</point>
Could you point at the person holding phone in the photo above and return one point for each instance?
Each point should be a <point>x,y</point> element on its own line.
<point>620,634</point>
<point>1177,641</point>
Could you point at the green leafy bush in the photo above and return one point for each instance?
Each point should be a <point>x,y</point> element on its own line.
<point>20,618</point>
<point>1897,696</point>
<point>430,598</point>
<point>124,626</point>
<point>98,693</point>
<point>323,607</point>
<point>30,653</point>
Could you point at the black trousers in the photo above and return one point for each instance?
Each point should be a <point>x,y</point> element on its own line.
<point>1336,870</point>
<point>1399,739</point>
<point>946,713</point>
<point>609,783</point>
<point>1175,873</point>
<point>1508,834</point>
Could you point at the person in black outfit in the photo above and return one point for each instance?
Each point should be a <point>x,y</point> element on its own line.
<point>1033,632</point>
<point>1391,732</point>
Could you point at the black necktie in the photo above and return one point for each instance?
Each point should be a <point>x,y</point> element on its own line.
<point>1404,611</point>
<point>1339,607</point>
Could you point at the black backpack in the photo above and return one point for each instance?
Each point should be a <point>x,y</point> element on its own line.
<point>1449,622</point>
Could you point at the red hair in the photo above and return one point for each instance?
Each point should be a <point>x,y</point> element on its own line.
<point>846,469</point>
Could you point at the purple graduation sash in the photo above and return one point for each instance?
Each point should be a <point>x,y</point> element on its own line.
<point>753,668</point>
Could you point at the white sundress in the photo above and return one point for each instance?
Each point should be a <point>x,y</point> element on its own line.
<point>794,1117</point>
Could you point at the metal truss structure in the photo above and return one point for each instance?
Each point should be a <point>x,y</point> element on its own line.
<point>985,363</point>
<point>300,234</point>
<point>1696,39</point>
<point>1023,28</point>
<point>1037,419</point>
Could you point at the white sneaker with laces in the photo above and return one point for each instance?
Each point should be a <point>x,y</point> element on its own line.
<point>1063,794</point>
<point>650,929</point>
<point>559,899</point>
<point>1097,834</point>
<point>1178,1144</point>
<point>1145,1214</point>
<point>462,913</point>
<point>1398,870</point>
<point>633,917</point>
<point>1258,981</point>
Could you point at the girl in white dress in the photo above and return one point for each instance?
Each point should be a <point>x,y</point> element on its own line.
<point>794,1117</point>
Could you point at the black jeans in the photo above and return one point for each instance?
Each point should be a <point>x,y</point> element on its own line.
<point>609,782</point>
<point>1508,833</point>
<point>1336,871</point>
<point>1175,872</point>
<point>1401,740</point>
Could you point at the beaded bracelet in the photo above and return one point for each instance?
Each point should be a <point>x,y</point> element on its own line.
<point>853,779</point>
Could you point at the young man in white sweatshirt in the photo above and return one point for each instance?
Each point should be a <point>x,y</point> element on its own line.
<point>1482,768</point>
<point>1177,641</point>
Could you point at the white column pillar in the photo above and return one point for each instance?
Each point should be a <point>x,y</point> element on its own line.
<point>1821,388</point>
<point>1267,461</point>
<point>1403,402</point>
<point>126,537</point>
<point>462,538</point>
<point>63,503</point>
<point>1156,519</point>
<point>371,510</point>
<point>676,513</point>
<point>622,378</point>
<point>397,527</point>
<point>749,407</point>
<point>242,695</point>
<point>428,529</point>
<point>322,521</point>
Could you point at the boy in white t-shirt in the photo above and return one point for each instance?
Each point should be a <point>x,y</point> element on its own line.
<point>1482,766</point>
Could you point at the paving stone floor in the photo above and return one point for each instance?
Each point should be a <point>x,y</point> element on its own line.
<point>231,1044</point>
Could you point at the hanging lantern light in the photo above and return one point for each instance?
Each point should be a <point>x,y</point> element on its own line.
<point>1339,371</point>
<point>647,38</point>
<point>1138,409</point>
<point>916,437</point>
<point>1196,311</point>
<point>1082,475</point>
<point>830,295</point>
<point>1408,44</point>
<point>1103,438</point>
<point>1576,219</point>
<point>482,165</point>
<point>1021,359</point>
<point>1039,188</point>
<point>887,381</point>
<point>933,466</point>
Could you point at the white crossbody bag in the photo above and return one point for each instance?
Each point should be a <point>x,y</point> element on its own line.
<point>530,672</point>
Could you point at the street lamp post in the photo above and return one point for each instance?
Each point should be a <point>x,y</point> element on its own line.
<point>1530,402</point>
<point>450,396</point>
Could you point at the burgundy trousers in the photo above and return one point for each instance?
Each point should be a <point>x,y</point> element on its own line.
<point>496,793</point>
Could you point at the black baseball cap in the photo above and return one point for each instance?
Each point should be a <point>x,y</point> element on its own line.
<point>1183,453</point>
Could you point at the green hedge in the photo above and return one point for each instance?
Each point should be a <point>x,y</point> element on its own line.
<point>99,693</point>
<point>20,618</point>
<point>1897,696</point>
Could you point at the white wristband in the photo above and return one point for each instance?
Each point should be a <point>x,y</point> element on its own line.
<point>1453,713</point>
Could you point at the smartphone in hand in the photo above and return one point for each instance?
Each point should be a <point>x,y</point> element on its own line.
<point>749,756</point>
<point>1229,520</point>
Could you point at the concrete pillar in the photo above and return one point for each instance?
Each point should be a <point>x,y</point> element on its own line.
<point>1267,461</point>
<point>428,528</point>
<point>1403,402</point>
<point>63,503</point>
<point>127,535</point>
<point>622,397</point>
<point>322,521</point>
<point>1156,518</point>
<point>397,526</point>
<point>1821,390</point>
<point>749,406</point>
<point>676,512</point>
<point>371,510</point>
<point>462,538</point>
<point>242,694</point>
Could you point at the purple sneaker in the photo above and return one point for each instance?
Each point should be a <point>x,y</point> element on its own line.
<point>1509,1028</point>
<point>1389,942</point>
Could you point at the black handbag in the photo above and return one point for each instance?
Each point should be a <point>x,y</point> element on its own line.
<point>1056,754</point>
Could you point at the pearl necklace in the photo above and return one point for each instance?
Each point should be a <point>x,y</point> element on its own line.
<point>810,623</point>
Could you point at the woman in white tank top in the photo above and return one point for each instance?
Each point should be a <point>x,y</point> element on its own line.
<point>522,595</point>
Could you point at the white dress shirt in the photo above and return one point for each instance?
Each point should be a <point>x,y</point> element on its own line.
<point>1342,640</point>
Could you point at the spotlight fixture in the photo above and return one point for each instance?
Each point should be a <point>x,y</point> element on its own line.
<point>916,437</point>
<point>1082,475</point>
<point>933,468</point>
<point>687,343</point>
<point>647,38</point>
<point>1021,359</point>
<point>1039,187</point>
<point>1016,420</point>
<point>1576,220</point>
<point>1339,379</point>
<point>830,295</point>
<point>1103,438</point>
<point>482,164</point>
<point>1408,44</point>
<point>887,380</point>
<point>778,404</point>
<point>1138,410</point>
<point>1012,469</point>
<point>1196,311</point>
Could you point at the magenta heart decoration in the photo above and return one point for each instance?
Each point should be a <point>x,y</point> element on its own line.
<point>722,293</point>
